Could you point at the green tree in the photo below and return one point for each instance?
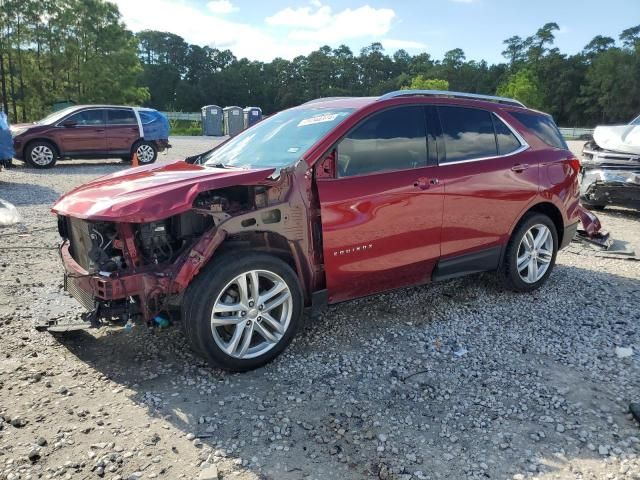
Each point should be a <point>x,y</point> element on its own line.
<point>522,86</point>
<point>421,83</point>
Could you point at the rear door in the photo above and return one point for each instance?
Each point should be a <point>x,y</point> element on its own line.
<point>382,211</point>
<point>82,132</point>
<point>122,130</point>
<point>489,177</point>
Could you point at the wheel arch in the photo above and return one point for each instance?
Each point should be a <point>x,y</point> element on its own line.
<point>548,209</point>
<point>51,142</point>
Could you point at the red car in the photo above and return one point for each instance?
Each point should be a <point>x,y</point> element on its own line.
<point>332,200</point>
<point>92,131</point>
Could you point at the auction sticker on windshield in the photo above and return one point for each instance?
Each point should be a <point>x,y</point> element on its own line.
<point>325,117</point>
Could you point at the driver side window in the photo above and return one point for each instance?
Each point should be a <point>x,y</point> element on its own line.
<point>394,139</point>
<point>93,117</point>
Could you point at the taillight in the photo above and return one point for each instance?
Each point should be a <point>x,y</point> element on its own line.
<point>574,163</point>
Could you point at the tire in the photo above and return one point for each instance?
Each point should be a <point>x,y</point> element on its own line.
<point>527,276</point>
<point>219,285</point>
<point>41,154</point>
<point>147,152</point>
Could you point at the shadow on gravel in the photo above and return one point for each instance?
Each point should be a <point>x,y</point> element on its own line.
<point>375,388</point>
<point>22,194</point>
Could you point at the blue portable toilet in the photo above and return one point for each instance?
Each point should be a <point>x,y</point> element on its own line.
<point>233,120</point>
<point>212,122</point>
<point>252,115</point>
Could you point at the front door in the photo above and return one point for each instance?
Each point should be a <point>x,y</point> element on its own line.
<point>122,130</point>
<point>382,213</point>
<point>82,133</point>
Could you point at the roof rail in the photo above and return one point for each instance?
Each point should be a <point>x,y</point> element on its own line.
<point>446,93</point>
<point>323,99</point>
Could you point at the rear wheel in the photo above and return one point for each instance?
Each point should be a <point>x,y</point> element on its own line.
<point>241,314</point>
<point>147,152</point>
<point>41,154</point>
<point>531,253</point>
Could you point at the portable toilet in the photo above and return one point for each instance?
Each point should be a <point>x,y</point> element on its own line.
<point>252,115</point>
<point>233,120</point>
<point>212,123</point>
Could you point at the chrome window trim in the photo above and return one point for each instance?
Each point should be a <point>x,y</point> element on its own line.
<point>523,144</point>
<point>60,122</point>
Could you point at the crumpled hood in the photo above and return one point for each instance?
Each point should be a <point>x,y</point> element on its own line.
<point>622,138</point>
<point>151,192</point>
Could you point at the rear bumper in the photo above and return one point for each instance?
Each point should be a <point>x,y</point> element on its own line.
<point>162,144</point>
<point>569,233</point>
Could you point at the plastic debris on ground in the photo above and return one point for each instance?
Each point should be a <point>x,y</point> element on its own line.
<point>624,352</point>
<point>8,214</point>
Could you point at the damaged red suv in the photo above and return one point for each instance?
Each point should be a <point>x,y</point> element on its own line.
<point>332,200</point>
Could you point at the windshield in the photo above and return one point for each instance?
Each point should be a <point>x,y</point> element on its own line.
<point>635,121</point>
<point>55,116</point>
<point>277,141</point>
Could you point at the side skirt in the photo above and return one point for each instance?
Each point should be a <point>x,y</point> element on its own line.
<point>482,261</point>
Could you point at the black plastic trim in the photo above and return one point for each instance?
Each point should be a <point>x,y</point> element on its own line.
<point>481,261</point>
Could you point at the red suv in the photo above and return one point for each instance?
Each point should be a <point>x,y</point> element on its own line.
<point>92,131</point>
<point>329,201</point>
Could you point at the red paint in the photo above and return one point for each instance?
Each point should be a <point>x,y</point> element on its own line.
<point>378,232</point>
<point>151,192</point>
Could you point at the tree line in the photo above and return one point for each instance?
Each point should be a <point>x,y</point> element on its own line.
<point>79,50</point>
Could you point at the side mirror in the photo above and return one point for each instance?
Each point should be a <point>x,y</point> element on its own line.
<point>327,166</point>
<point>69,123</point>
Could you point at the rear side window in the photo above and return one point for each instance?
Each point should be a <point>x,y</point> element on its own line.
<point>507,141</point>
<point>468,133</point>
<point>121,117</point>
<point>543,126</point>
<point>87,118</point>
<point>390,140</point>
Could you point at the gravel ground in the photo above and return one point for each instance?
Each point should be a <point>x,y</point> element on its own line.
<point>459,379</point>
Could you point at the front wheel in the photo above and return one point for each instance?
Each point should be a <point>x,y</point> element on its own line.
<point>147,152</point>
<point>531,253</point>
<point>41,154</point>
<point>241,314</point>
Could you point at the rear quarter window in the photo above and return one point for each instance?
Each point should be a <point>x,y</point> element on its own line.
<point>544,128</point>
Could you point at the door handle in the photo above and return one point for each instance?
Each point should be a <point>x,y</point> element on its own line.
<point>520,167</point>
<point>100,130</point>
<point>424,183</point>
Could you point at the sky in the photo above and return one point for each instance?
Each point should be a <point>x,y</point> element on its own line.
<point>263,30</point>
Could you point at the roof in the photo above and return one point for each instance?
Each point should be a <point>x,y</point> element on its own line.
<point>360,102</point>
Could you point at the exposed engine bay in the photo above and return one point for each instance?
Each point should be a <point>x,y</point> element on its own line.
<point>141,269</point>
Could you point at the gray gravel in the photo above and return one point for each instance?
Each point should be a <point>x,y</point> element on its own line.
<point>459,379</point>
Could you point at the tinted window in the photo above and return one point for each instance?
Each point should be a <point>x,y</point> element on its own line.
<point>121,117</point>
<point>391,140</point>
<point>543,126</point>
<point>507,141</point>
<point>87,117</point>
<point>468,133</point>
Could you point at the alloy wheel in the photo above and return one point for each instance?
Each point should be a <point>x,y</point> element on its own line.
<point>145,153</point>
<point>42,155</point>
<point>251,314</point>
<point>535,253</point>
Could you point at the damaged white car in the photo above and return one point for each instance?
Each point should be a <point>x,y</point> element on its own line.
<point>611,167</point>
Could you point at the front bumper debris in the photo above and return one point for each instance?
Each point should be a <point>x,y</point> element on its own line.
<point>610,178</point>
